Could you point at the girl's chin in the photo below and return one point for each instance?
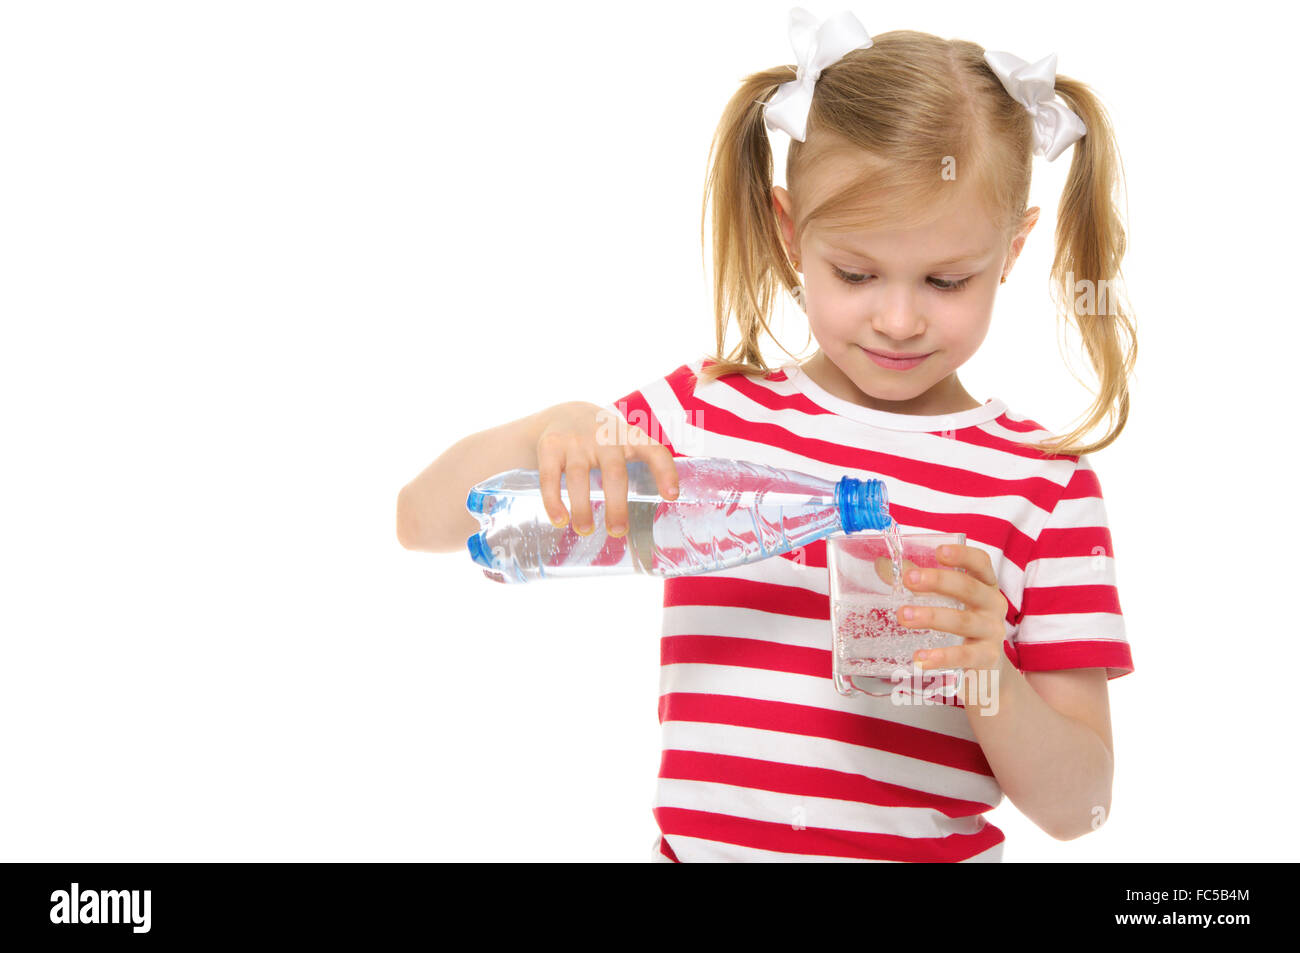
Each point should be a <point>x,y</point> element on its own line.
<point>885,385</point>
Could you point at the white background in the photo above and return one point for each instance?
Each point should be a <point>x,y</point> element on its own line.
<point>260,263</point>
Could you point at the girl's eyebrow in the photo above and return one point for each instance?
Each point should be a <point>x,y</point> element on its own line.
<point>956,259</point>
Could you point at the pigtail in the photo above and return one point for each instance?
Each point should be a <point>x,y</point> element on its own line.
<point>749,261</point>
<point>1086,281</point>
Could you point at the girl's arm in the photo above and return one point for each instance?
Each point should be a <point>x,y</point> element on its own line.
<point>431,513</point>
<point>1047,737</point>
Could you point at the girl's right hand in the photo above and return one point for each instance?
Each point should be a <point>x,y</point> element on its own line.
<point>579,437</point>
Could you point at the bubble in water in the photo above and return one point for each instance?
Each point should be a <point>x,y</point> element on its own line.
<point>869,639</point>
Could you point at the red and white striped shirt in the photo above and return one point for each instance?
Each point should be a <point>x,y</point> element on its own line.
<point>762,758</point>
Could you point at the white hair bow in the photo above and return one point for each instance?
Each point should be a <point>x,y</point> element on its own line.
<point>816,46</point>
<point>1034,87</point>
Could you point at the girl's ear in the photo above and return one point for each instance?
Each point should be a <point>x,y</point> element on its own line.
<point>781,206</point>
<point>1026,226</point>
<point>1018,243</point>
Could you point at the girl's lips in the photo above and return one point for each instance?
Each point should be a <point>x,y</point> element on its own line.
<point>892,364</point>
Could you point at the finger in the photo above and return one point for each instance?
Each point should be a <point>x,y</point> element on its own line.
<point>963,622</point>
<point>971,558</point>
<point>577,479</point>
<point>611,428</point>
<point>550,461</point>
<point>885,569</point>
<point>660,462</point>
<point>963,586</point>
<point>613,481</point>
<point>973,654</point>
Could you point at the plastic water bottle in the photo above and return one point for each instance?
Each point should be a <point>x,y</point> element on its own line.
<point>727,512</point>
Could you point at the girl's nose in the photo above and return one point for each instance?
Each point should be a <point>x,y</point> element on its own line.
<point>898,318</point>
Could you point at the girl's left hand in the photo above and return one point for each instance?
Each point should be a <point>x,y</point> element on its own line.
<point>981,623</point>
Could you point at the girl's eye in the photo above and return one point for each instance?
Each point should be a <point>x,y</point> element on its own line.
<point>939,283</point>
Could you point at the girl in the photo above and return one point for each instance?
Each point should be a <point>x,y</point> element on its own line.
<point>905,209</point>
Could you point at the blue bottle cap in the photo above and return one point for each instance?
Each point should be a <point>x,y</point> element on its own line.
<point>863,504</point>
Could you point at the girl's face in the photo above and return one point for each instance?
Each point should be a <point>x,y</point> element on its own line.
<point>924,291</point>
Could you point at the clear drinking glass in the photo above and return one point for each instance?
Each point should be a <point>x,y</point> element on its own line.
<point>871,651</point>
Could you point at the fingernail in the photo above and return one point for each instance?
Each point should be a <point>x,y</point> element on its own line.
<point>560,521</point>
<point>909,613</point>
<point>617,529</point>
<point>914,575</point>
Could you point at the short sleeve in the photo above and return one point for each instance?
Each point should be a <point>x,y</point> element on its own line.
<point>1070,614</point>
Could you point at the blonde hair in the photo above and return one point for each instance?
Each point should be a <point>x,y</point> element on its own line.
<point>899,109</point>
